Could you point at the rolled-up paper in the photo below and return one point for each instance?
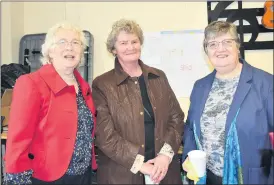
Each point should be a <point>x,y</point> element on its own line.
<point>148,180</point>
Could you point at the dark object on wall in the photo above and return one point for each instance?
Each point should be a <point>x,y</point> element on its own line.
<point>9,74</point>
<point>2,120</point>
<point>30,54</point>
<point>240,14</point>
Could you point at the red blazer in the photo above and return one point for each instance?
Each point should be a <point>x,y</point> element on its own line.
<point>43,124</point>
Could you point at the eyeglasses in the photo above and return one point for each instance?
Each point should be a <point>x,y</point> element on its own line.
<point>64,43</point>
<point>225,43</point>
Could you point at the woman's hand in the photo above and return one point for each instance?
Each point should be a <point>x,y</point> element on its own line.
<point>146,168</point>
<point>191,174</point>
<point>184,165</point>
<point>161,163</point>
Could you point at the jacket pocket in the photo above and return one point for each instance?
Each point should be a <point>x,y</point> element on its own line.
<point>257,176</point>
<point>38,160</point>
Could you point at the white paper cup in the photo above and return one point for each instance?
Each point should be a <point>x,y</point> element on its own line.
<point>148,180</point>
<point>198,160</point>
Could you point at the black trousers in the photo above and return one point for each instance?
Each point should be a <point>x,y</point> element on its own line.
<point>211,178</point>
<point>84,179</point>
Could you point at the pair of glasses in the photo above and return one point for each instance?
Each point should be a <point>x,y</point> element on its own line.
<point>225,43</point>
<point>64,43</point>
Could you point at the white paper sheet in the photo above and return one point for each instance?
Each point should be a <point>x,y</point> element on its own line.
<point>180,55</point>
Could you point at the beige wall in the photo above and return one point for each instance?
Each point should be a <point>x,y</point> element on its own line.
<point>17,28</point>
<point>6,49</point>
<point>12,29</point>
<point>97,17</point>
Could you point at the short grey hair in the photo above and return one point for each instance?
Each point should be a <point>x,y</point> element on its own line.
<point>129,26</point>
<point>50,39</point>
<point>218,28</point>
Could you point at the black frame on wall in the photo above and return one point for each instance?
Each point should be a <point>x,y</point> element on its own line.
<point>240,14</point>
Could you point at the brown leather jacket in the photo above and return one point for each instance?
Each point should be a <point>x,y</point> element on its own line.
<point>120,123</point>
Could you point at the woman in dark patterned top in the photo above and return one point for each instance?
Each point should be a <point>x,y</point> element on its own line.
<point>52,123</point>
<point>231,112</point>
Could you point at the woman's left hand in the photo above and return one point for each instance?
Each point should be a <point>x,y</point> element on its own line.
<point>161,163</point>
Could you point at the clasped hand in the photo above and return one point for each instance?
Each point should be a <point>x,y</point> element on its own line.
<point>156,168</point>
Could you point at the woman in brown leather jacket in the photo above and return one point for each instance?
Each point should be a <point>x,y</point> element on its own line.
<point>139,120</point>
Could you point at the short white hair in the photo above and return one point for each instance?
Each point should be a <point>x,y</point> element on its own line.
<point>50,39</point>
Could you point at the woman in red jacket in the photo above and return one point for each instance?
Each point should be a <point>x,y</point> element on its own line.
<point>52,122</point>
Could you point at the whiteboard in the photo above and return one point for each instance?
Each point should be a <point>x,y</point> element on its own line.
<point>180,55</point>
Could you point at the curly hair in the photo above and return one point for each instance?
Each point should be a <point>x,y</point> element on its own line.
<point>129,26</point>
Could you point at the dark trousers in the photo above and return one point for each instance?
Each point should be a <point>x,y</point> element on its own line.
<point>211,178</point>
<point>84,179</point>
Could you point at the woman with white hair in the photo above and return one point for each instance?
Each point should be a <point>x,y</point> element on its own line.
<point>52,123</point>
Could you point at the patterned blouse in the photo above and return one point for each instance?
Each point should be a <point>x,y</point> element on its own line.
<point>213,122</point>
<point>81,158</point>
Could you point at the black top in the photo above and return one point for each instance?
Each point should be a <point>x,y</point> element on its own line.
<point>149,121</point>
